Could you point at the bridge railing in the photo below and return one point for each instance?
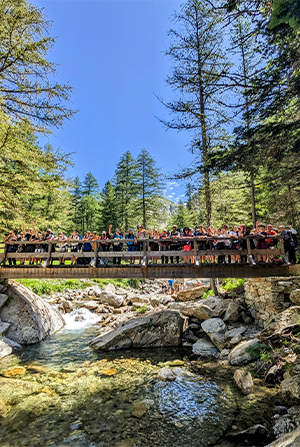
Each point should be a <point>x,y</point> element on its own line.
<point>144,254</point>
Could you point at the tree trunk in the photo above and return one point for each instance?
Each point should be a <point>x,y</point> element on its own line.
<point>253,207</point>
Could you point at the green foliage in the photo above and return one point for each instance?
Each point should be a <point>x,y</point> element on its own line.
<point>141,309</point>
<point>261,351</point>
<point>208,294</point>
<point>149,188</point>
<point>41,287</point>
<point>26,92</point>
<point>230,284</point>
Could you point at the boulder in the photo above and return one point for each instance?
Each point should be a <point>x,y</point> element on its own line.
<point>243,380</point>
<point>31,319</point>
<point>205,348</point>
<point>3,299</point>
<point>166,374</point>
<point>106,296</point>
<point>291,387</point>
<point>4,327</point>
<point>96,290</point>
<point>229,335</point>
<point>139,299</point>
<point>212,307</point>
<point>240,355</point>
<point>157,329</point>
<point>256,435</point>
<point>192,293</point>
<point>233,312</point>
<point>295,297</point>
<point>90,305</point>
<point>291,439</point>
<point>215,328</point>
<point>288,317</point>
<point>5,349</point>
<point>157,300</point>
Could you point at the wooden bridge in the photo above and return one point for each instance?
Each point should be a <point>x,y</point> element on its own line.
<point>98,267</point>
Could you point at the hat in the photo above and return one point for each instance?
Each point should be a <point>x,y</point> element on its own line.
<point>131,229</point>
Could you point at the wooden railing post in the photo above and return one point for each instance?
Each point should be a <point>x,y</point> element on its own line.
<point>282,251</point>
<point>3,260</point>
<point>46,263</point>
<point>196,252</point>
<point>144,262</point>
<point>93,262</point>
<point>249,250</point>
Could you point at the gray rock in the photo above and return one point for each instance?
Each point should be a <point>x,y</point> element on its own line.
<point>205,348</point>
<point>4,327</point>
<point>157,329</point>
<point>291,387</point>
<point>31,318</point>
<point>212,307</point>
<point>167,374</point>
<point>97,290</point>
<point>243,380</point>
<point>5,349</point>
<point>3,299</point>
<point>12,344</point>
<point>288,317</point>
<point>295,297</point>
<point>240,355</point>
<point>233,312</point>
<point>111,298</point>
<point>192,293</point>
<point>234,332</point>
<point>291,439</point>
<point>215,328</point>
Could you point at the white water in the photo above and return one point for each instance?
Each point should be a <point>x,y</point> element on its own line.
<point>80,319</point>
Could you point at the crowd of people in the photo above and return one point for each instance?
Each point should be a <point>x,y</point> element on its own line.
<point>219,240</point>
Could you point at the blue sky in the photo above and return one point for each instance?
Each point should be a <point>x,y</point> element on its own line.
<point>112,53</point>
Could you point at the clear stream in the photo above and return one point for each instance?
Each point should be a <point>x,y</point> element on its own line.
<point>63,393</point>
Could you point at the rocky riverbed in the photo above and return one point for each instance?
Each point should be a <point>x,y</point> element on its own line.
<point>215,379</point>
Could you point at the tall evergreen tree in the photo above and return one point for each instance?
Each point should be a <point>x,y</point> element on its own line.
<point>197,78</point>
<point>125,184</point>
<point>108,213</point>
<point>26,93</point>
<point>150,188</point>
<point>90,186</point>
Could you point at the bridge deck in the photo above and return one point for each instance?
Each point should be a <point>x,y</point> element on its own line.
<point>151,271</point>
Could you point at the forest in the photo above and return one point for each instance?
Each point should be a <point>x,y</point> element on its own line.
<point>235,80</point>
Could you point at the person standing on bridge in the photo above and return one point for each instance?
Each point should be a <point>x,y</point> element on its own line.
<point>140,238</point>
<point>87,246</point>
<point>117,246</point>
<point>74,246</point>
<point>11,248</point>
<point>289,244</point>
<point>130,245</point>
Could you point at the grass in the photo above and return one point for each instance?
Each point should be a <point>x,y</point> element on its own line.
<point>45,287</point>
<point>260,351</point>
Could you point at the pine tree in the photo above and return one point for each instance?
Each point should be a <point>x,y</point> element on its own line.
<point>197,78</point>
<point>90,186</point>
<point>150,188</point>
<point>108,213</point>
<point>26,93</point>
<point>125,184</point>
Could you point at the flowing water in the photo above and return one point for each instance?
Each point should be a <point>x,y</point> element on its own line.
<point>62,393</point>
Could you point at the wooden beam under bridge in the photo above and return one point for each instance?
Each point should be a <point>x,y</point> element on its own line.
<point>151,271</point>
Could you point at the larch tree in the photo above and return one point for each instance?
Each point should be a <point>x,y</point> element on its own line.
<point>197,77</point>
<point>108,212</point>
<point>150,188</point>
<point>126,188</point>
<point>27,92</point>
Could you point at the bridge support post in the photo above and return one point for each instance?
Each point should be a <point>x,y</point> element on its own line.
<point>46,263</point>
<point>196,253</point>
<point>144,263</point>
<point>250,257</point>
